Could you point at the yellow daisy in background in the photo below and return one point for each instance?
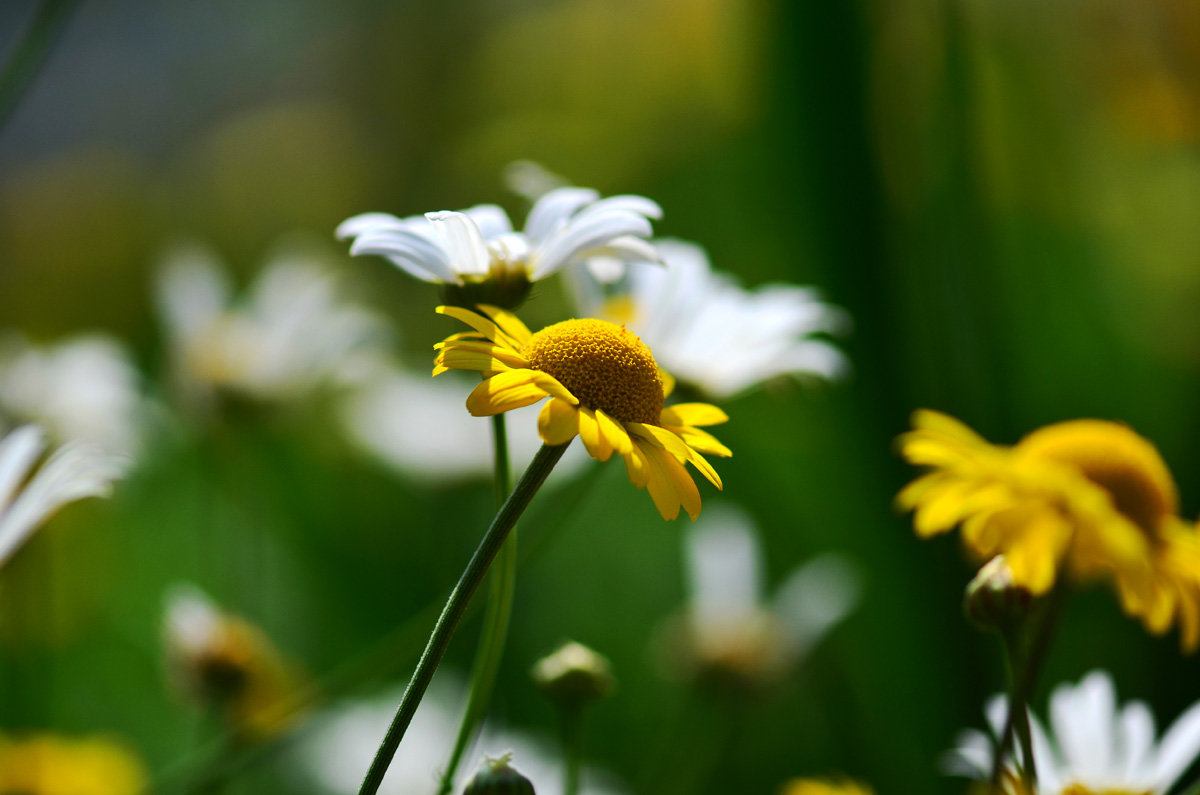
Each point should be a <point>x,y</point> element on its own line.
<point>1088,497</point>
<point>47,764</point>
<point>603,385</point>
<point>812,786</point>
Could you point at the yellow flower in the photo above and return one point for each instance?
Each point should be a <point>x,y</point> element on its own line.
<point>603,385</point>
<point>812,786</point>
<point>1087,497</point>
<point>50,765</point>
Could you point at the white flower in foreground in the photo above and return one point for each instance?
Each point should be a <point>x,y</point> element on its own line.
<point>728,633</point>
<point>706,330</point>
<point>292,334</point>
<point>479,245</point>
<point>336,753</point>
<point>1093,746</point>
<point>416,425</point>
<point>29,493</point>
<point>82,389</point>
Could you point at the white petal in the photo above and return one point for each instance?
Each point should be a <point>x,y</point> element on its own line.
<point>18,450</point>
<point>583,234</point>
<point>1083,718</point>
<point>368,222</point>
<point>724,564</point>
<point>1179,748</point>
<point>415,253</point>
<point>464,245</point>
<point>971,757</point>
<point>817,596</point>
<point>625,203</point>
<point>1136,742</point>
<point>73,472</point>
<point>491,220</point>
<point>553,210</point>
<point>191,292</point>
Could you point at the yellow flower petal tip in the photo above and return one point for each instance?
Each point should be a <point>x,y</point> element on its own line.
<point>604,386</point>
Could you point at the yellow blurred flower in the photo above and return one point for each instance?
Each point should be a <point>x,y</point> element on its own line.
<point>225,661</point>
<point>603,385</point>
<point>1088,497</point>
<point>47,764</point>
<point>812,786</point>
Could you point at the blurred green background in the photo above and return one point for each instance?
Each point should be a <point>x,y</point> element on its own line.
<point>1003,194</point>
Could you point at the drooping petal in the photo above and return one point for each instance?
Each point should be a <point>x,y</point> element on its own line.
<point>589,431</point>
<point>558,422</point>
<point>617,436</point>
<point>465,248</point>
<point>697,414</point>
<point>505,391</point>
<point>510,323</point>
<point>415,253</point>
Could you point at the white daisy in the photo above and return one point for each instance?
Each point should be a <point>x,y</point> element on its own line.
<point>416,425</point>
<point>30,493</point>
<point>1093,746</point>
<point>728,630</point>
<point>476,245</point>
<point>293,333</point>
<point>81,389</point>
<point>706,330</point>
<point>336,753</point>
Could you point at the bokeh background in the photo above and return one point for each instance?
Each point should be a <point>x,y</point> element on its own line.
<point>1002,193</point>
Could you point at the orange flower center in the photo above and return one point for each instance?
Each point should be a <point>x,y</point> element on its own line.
<point>604,365</point>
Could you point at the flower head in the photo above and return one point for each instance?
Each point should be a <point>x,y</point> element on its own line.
<point>603,385</point>
<point>29,493</point>
<point>1093,747</point>
<point>729,634</point>
<point>85,389</point>
<point>1088,496</point>
<point>478,256</point>
<point>708,331</point>
<point>224,661</point>
<point>574,675</point>
<point>48,764</point>
<point>293,333</point>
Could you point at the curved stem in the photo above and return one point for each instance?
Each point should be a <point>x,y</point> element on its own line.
<point>452,613</point>
<point>31,51</point>
<point>502,587</point>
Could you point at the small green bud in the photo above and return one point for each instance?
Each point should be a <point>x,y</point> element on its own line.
<point>574,675</point>
<point>506,289</point>
<point>993,601</point>
<point>497,777</point>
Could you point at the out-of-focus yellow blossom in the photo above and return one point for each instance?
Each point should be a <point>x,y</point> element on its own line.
<point>47,764</point>
<point>1088,497</point>
<point>812,786</point>
<point>225,661</point>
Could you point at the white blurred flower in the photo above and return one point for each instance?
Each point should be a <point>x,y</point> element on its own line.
<point>292,334</point>
<point>706,330</point>
<point>30,493</point>
<point>336,753</point>
<point>479,244</point>
<point>1093,745</point>
<point>728,631</point>
<point>417,425</point>
<point>81,389</point>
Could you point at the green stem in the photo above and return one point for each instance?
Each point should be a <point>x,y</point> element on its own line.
<point>31,52</point>
<point>452,613</point>
<point>502,587</point>
<point>1025,666</point>
<point>572,735</point>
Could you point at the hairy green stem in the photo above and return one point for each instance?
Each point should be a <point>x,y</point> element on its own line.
<point>452,613</point>
<point>502,587</point>
<point>1026,657</point>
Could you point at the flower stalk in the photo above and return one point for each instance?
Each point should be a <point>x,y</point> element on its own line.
<point>456,605</point>
<point>501,590</point>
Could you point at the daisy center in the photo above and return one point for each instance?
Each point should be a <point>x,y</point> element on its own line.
<point>604,365</point>
<point>1116,459</point>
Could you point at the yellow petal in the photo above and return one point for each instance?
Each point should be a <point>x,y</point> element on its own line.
<point>612,430</point>
<point>481,324</point>
<point>636,466</point>
<point>693,414</point>
<point>668,382</point>
<point>510,323</point>
<point>701,441</point>
<point>504,391</point>
<point>662,438</point>
<point>456,359</point>
<point>483,346</point>
<point>589,431</point>
<point>705,468</point>
<point>557,422</point>
<point>659,482</point>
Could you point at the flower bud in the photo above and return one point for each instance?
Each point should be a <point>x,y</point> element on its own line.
<point>574,675</point>
<point>497,777</point>
<point>994,601</point>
